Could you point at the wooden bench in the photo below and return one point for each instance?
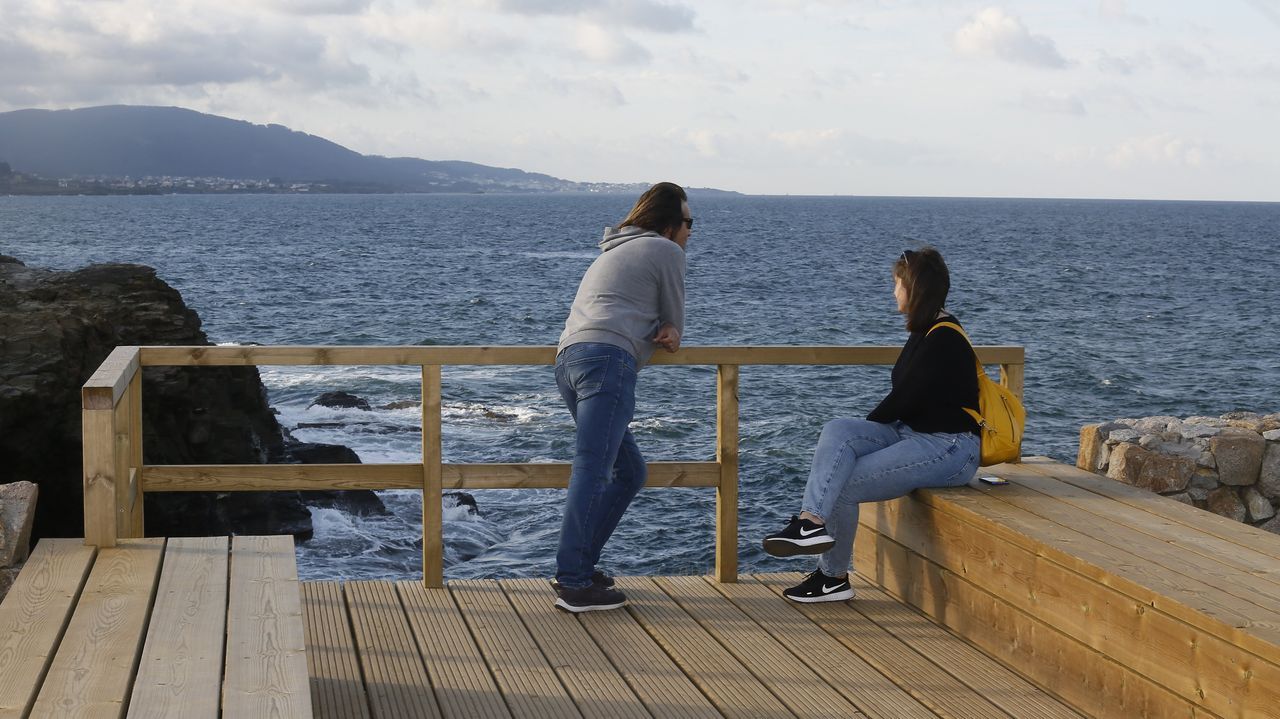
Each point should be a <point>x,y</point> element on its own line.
<point>138,630</point>
<point>1121,602</point>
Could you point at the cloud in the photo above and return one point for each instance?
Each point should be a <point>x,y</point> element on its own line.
<point>1054,103</point>
<point>992,32</point>
<point>619,14</point>
<point>1118,11</point>
<point>320,7</point>
<point>1163,150</point>
<point>600,45</point>
<point>1116,65</point>
<point>1184,60</point>
<point>1269,8</point>
<point>69,53</point>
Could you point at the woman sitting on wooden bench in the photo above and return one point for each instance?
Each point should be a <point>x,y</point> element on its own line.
<point>918,436</point>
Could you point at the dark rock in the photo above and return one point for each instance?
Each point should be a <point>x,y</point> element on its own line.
<point>341,400</point>
<point>463,499</point>
<point>56,328</point>
<point>361,502</point>
<point>402,404</point>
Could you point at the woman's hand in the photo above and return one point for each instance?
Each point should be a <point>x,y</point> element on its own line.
<point>668,337</point>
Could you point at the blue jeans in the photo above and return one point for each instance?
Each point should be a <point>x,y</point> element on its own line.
<point>858,460</point>
<point>598,384</point>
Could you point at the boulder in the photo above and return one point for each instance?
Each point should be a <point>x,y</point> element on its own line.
<point>1271,525</point>
<point>1126,463</point>
<point>341,400</point>
<point>1163,473</point>
<point>55,330</point>
<point>1259,507</point>
<point>360,502</point>
<point>1238,455</point>
<point>1092,455</point>
<point>1269,474</point>
<point>1224,501</point>
<point>17,512</point>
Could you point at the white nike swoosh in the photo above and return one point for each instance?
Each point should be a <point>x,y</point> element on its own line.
<point>803,533</point>
<point>828,590</point>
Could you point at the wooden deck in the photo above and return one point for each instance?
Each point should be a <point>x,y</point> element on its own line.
<point>683,647</point>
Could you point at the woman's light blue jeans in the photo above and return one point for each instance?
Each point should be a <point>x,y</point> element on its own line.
<point>858,460</point>
<point>598,384</point>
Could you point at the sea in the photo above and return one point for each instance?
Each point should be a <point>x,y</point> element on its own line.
<point>1125,308</point>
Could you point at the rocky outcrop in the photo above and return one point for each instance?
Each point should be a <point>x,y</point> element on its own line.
<point>56,328</point>
<point>1229,465</point>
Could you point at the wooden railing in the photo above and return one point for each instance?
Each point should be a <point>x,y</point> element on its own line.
<point>115,479</point>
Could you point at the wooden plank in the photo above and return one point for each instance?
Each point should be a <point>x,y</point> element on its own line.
<point>730,686</point>
<point>99,467</point>
<point>337,689</point>
<point>95,663</point>
<point>988,677</point>
<point>1134,633</point>
<point>1084,678</point>
<point>271,477</point>
<point>180,673</point>
<point>463,685</point>
<point>33,616</point>
<point>1249,577</point>
<point>870,691</point>
<point>522,673</point>
<point>1204,523</point>
<point>266,665</point>
<point>111,379</point>
<point>1011,376</point>
<point>394,674</point>
<point>664,689</point>
<point>727,488</point>
<point>535,355</point>
<point>595,685</point>
<point>432,456</point>
<point>793,682</point>
<point>1192,602</point>
<point>931,685</point>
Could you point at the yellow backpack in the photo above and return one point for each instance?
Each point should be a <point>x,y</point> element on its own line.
<point>1000,415</point>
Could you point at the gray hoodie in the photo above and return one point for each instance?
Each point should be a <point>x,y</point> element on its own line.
<point>634,287</point>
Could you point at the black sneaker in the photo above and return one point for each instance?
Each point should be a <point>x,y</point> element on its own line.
<point>818,587</point>
<point>800,536</point>
<point>598,578</point>
<point>590,599</point>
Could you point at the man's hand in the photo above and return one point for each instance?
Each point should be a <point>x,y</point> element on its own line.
<point>668,337</point>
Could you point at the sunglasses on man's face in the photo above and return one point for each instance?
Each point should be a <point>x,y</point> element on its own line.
<point>688,222</point>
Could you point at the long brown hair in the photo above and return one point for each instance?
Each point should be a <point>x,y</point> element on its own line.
<point>658,209</point>
<point>927,281</point>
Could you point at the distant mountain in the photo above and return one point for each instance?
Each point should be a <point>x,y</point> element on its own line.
<point>134,141</point>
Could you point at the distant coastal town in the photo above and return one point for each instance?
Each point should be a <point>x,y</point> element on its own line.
<point>18,183</point>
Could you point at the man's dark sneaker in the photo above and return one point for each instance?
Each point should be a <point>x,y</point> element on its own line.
<point>589,599</point>
<point>800,536</point>
<point>598,578</point>
<point>818,587</point>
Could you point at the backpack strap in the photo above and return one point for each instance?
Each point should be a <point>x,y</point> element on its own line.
<point>953,326</point>
<point>982,374</point>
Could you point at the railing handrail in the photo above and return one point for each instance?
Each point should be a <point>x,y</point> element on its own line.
<point>115,480</point>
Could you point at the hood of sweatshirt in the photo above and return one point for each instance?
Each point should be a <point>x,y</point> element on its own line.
<point>614,236</point>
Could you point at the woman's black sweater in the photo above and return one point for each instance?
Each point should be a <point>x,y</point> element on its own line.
<point>933,379</point>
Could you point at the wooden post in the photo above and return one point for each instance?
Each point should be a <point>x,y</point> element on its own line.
<point>98,441</point>
<point>135,455</point>
<point>120,456</point>
<point>1011,377</point>
<point>727,457</point>
<point>432,529</point>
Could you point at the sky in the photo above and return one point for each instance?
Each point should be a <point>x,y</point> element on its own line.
<point>1175,99</point>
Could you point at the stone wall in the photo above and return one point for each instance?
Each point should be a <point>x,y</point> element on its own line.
<point>1229,465</point>
<point>17,510</point>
